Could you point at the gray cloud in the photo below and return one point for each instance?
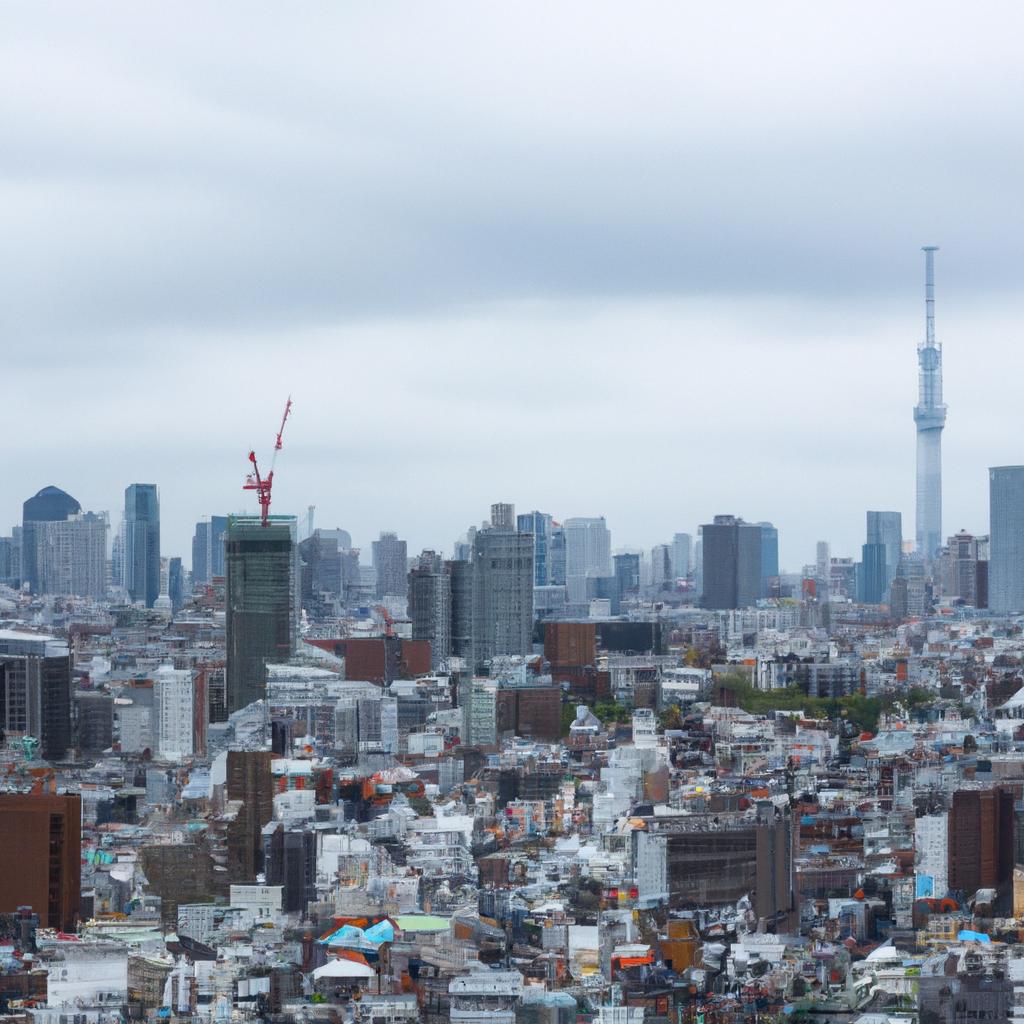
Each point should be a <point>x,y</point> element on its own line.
<point>676,244</point>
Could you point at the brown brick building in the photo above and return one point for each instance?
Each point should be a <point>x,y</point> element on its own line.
<point>41,856</point>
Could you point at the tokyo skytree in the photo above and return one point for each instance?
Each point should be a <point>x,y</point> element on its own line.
<point>930,417</point>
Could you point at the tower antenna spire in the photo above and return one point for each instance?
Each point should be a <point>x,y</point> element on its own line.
<point>929,294</point>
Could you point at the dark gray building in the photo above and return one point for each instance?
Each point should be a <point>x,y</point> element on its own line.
<point>1006,542</point>
<point>390,563</point>
<point>502,593</point>
<point>732,564</point>
<point>50,505</point>
<point>262,603</point>
<point>142,543</point>
<point>887,528</point>
<point>35,690</point>
<point>874,583</point>
<point>430,606</point>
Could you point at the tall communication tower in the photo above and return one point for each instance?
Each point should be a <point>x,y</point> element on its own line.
<point>930,418</point>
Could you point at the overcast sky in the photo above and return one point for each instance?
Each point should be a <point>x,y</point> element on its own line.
<point>652,260</point>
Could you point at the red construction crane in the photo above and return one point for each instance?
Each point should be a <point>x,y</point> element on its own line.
<point>254,482</point>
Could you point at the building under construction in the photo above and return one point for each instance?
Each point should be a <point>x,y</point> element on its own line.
<point>707,860</point>
<point>262,602</point>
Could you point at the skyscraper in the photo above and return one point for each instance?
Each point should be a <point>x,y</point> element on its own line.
<point>769,556</point>
<point>389,565</point>
<point>930,417</point>
<point>874,587</point>
<point>681,546</point>
<point>502,593</point>
<point>50,505</point>
<point>35,690</point>
<point>540,525</point>
<point>430,606</point>
<point>1006,544</point>
<point>262,602</point>
<point>71,555</point>
<point>142,543</point>
<point>208,549</point>
<point>886,528</point>
<point>587,553</point>
<point>732,563</point>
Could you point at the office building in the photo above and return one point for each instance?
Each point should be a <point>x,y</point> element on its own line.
<point>627,575</point>
<point>769,556</point>
<point>40,857</point>
<point>174,713</point>
<point>175,584</point>
<point>886,528</point>
<point>873,588</point>
<point>71,555</point>
<point>390,566</point>
<point>142,544</point>
<point>289,859</point>
<point>662,576</point>
<point>980,837</point>
<point>930,418</point>
<point>1006,539</point>
<point>556,556</point>
<point>587,553</point>
<point>540,525</point>
<point>503,516</point>
<point>208,549</point>
<point>430,606</point>
<point>35,690</point>
<point>50,505</point>
<point>250,786</point>
<point>964,574</point>
<point>502,587</point>
<point>732,563</point>
<point>262,602</point>
<point>681,549</point>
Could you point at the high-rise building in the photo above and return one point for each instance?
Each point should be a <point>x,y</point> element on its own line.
<point>502,593</point>
<point>390,564</point>
<point>503,516</point>
<point>35,690</point>
<point>930,417</point>
<point>50,505</point>
<point>769,556</point>
<point>874,588</point>
<point>980,838</point>
<point>681,547</point>
<point>251,785</point>
<point>556,556</point>
<point>460,582</point>
<point>661,567</point>
<point>886,528</point>
<point>823,561</point>
<point>71,555</point>
<point>174,713</point>
<point>627,574</point>
<point>587,553</point>
<point>965,569</point>
<point>142,543</point>
<point>40,857</point>
<point>208,549</point>
<point>262,602</point>
<point>175,584</point>
<point>732,563</point>
<point>430,606</point>
<point>540,525</point>
<point>1006,543</point>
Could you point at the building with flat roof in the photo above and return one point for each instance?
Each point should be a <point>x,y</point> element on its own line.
<point>262,602</point>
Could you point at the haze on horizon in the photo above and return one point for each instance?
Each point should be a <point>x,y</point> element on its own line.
<point>650,261</point>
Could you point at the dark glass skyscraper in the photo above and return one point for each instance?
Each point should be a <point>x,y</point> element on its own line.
<point>886,528</point>
<point>540,525</point>
<point>142,543</point>
<point>1006,544</point>
<point>731,563</point>
<point>262,602</point>
<point>208,549</point>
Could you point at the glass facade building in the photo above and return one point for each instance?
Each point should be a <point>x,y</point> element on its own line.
<point>262,602</point>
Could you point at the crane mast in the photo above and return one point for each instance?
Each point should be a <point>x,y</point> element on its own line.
<point>263,485</point>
